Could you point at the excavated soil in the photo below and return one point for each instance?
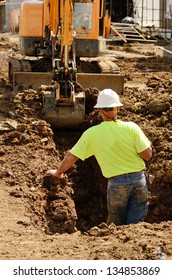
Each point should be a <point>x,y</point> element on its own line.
<point>43,218</point>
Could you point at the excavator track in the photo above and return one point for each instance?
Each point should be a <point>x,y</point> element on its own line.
<point>16,66</point>
<point>109,67</point>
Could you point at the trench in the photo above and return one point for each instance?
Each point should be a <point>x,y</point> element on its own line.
<point>89,187</point>
<point>87,182</point>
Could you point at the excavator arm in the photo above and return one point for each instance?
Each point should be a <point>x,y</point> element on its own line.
<point>61,33</point>
<point>63,106</point>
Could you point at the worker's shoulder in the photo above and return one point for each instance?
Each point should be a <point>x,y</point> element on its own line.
<point>119,123</point>
<point>91,131</point>
<point>92,128</point>
<point>127,123</point>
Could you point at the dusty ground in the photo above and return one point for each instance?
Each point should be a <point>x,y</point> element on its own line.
<point>45,219</point>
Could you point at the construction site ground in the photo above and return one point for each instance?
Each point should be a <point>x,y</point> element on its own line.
<point>65,219</point>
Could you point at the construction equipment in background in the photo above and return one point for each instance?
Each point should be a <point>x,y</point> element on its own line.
<point>59,39</point>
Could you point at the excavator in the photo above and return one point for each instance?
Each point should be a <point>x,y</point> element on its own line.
<point>62,43</point>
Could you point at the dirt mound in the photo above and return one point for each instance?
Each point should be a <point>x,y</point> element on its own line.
<point>48,210</point>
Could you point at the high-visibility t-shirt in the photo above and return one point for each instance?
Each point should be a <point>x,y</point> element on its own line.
<point>115,145</point>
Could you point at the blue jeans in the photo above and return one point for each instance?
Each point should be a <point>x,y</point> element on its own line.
<point>127,199</point>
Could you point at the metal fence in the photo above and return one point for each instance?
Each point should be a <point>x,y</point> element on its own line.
<point>154,13</point>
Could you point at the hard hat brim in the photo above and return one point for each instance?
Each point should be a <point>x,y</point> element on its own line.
<point>119,104</point>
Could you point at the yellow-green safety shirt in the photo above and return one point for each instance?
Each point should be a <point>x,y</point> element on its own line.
<point>115,145</point>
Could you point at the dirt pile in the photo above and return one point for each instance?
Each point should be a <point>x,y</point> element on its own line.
<point>45,209</point>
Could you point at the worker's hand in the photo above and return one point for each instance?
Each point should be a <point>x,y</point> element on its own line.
<point>52,172</point>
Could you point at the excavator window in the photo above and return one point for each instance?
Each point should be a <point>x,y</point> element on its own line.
<point>83,16</point>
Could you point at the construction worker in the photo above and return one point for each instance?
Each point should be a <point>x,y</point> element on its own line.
<point>121,149</point>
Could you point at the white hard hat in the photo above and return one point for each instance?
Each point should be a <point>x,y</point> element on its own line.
<point>108,99</point>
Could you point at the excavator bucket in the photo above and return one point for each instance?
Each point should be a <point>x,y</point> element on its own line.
<point>69,113</point>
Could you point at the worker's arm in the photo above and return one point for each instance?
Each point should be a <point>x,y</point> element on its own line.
<point>67,162</point>
<point>146,154</point>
